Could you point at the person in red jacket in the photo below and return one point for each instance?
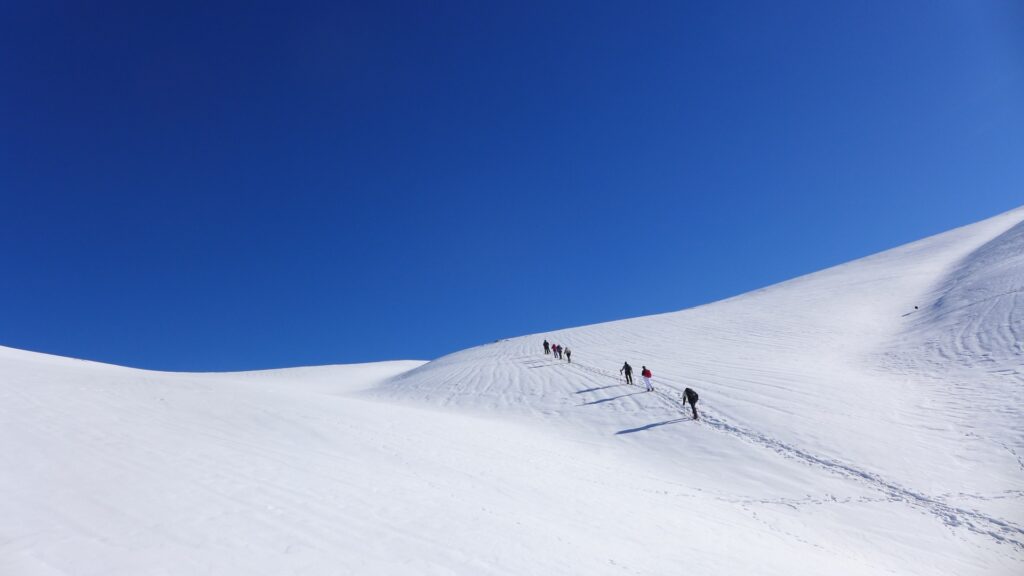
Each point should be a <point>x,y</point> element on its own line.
<point>646,373</point>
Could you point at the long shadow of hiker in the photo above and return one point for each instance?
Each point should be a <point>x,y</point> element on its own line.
<point>649,426</point>
<point>596,389</point>
<point>603,400</point>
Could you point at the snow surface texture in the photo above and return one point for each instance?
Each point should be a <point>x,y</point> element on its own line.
<point>865,419</point>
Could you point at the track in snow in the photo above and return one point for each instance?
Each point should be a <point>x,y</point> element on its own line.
<point>1002,531</point>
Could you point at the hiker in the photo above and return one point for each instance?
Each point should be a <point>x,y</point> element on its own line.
<point>646,373</point>
<point>690,396</point>
<point>628,371</point>
<point>547,347</point>
<point>568,355</point>
<point>558,350</point>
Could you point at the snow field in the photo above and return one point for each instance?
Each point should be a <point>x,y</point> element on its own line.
<point>842,431</point>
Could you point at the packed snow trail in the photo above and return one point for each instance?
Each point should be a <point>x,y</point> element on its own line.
<point>998,529</point>
<point>1002,531</point>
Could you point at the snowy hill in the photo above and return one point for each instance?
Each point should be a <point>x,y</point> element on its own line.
<point>865,419</point>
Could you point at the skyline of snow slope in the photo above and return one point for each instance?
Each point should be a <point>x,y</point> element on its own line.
<point>864,419</point>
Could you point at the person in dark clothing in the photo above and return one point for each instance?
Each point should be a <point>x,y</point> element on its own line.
<point>568,356</point>
<point>690,397</point>
<point>547,347</point>
<point>628,371</point>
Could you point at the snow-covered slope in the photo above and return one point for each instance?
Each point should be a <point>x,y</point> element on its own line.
<point>865,419</point>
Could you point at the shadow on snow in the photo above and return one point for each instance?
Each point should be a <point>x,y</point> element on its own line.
<point>597,388</point>
<point>603,400</point>
<point>649,426</point>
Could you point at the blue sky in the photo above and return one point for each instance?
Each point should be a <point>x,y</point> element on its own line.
<point>215,185</point>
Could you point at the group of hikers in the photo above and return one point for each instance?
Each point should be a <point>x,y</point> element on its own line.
<point>558,351</point>
<point>689,395</point>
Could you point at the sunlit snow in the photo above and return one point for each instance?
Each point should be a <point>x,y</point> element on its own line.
<point>866,419</point>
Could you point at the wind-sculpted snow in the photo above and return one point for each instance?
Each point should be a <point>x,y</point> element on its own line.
<point>843,431</point>
<point>976,317</point>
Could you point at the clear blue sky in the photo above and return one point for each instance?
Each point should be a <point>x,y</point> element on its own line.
<point>216,185</point>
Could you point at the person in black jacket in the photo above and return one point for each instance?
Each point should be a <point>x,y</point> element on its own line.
<point>547,347</point>
<point>690,397</point>
<point>628,371</point>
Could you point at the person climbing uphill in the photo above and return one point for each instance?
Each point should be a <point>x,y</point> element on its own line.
<point>628,371</point>
<point>646,373</point>
<point>690,396</point>
<point>547,347</point>
<point>568,356</point>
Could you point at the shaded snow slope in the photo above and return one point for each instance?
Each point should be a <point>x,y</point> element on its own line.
<point>842,428</point>
<point>974,316</point>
